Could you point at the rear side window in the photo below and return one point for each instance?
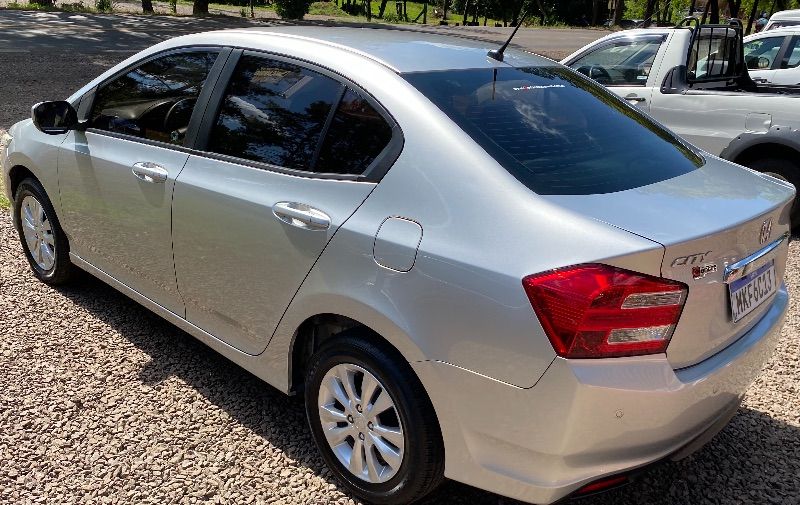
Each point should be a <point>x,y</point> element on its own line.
<point>793,54</point>
<point>154,101</point>
<point>274,112</point>
<point>625,62</point>
<point>555,131</point>
<point>357,135</point>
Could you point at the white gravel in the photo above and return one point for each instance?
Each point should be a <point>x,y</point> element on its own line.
<point>103,402</point>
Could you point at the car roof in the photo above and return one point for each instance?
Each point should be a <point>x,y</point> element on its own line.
<point>790,14</point>
<point>773,32</point>
<point>401,50</point>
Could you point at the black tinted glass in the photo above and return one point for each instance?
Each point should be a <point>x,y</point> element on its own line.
<point>273,112</point>
<point>357,135</point>
<point>555,131</point>
<point>156,100</point>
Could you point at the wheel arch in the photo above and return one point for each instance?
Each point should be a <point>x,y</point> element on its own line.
<point>778,142</point>
<point>17,174</point>
<point>322,327</point>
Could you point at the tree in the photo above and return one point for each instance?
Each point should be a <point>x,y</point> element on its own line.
<point>292,9</point>
<point>200,8</point>
<point>619,11</point>
<point>147,6</point>
<point>649,9</point>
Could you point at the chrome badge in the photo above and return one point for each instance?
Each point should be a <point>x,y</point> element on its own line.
<point>703,270</point>
<point>690,259</point>
<point>766,231</point>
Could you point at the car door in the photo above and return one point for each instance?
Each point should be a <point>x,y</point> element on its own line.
<point>762,57</point>
<point>623,64</point>
<point>788,72</point>
<point>289,153</point>
<point>116,178</point>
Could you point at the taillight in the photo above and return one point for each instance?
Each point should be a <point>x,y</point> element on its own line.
<point>600,311</point>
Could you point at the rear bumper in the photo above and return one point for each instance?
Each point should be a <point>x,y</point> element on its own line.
<point>586,419</point>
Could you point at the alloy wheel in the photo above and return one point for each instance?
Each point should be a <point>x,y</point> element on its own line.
<point>361,423</point>
<point>38,233</point>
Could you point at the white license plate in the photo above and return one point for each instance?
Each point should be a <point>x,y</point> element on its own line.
<point>752,290</point>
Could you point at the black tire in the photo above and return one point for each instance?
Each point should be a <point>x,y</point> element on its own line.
<point>422,468</point>
<point>787,170</point>
<point>62,269</point>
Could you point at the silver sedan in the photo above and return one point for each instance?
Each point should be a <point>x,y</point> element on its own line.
<point>491,271</point>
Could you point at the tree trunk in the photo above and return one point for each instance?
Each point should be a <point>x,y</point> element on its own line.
<point>752,17</point>
<point>595,12</point>
<point>705,13</point>
<point>735,6</point>
<point>147,6</point>
<point>200,8</point>
<point>369,9</point>
<point>466,12</point>
<point>714,12</point>
<point>649,7</point>
<point>619,11</point>
<point>691,7</point>
<point>382,8</point>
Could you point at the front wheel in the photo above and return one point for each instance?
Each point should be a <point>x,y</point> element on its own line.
<point>43,241</point>
<point>373,421</point>
<point>786,170</point>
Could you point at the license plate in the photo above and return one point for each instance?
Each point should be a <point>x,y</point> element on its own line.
<point>752,290</point>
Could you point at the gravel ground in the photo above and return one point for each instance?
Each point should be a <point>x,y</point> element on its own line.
<point>103,402</point>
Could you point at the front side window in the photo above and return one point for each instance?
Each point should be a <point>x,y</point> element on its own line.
<point>760,54</point>
<point>154,101</point>
<point>556,132</point>
<point>274,112</point>
<point>625,62</point>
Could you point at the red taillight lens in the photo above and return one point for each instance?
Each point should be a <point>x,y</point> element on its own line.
<point>600,311</point>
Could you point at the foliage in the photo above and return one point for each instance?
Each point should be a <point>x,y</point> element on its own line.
<point>103,5</point>
<point>292,9</point>
<point>173,6</point>
<point>392,17</point>
<point>326,9</point>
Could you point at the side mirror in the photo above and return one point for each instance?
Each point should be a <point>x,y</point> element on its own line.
<point>55,118</point>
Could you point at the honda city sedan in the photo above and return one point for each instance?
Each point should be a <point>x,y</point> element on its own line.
<point>481,267</point>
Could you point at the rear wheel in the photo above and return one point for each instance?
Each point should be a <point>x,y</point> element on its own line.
<point>43,241</point>
<point>783,169</point>
<point>373,421</point>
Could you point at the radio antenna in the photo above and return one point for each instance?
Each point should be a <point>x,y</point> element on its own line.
<point>499,54</point>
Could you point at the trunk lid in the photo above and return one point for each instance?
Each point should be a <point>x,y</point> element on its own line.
<point>711,217</point>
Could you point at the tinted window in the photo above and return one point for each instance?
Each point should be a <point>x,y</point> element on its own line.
<point>274,112</point>
<point>357,135</point>
<point>622,63</point>
<point>555,131</point>
<point>793,54</point>
<point>760,54</point>
<point>155,101</point>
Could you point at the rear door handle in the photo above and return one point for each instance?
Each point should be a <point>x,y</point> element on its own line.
<point>301,215</point>
<point>150,172</point>
<point>635,98</point>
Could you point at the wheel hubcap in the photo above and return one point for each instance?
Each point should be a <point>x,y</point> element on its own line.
<point>38,233</point>
<point>361,423</point>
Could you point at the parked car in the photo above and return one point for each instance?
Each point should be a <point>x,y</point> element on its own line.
<point>783,19</point>
<point>495,272</point>
<point>773,57</point>
<point>695,81</point>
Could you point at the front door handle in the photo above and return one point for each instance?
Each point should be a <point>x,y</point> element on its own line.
<point>150,172</point>
<point>635,98</point>
<point>301,215</point>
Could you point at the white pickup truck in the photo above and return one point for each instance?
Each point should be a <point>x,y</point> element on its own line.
<point>694,80</point>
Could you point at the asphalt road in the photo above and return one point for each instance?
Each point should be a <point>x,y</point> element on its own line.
<point>48,55</point>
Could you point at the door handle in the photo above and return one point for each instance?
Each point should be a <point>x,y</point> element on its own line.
<point>301,215</point>
<point>150,172</point>
<point>635,98</point>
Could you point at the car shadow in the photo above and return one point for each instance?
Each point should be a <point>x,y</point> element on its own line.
<point>752,453</point>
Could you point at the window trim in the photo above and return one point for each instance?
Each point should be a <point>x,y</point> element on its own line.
<point>661,37</point>
<point>373,173</point>
<point>86,102</point>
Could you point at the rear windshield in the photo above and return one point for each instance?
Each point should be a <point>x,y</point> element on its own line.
<point>555,131</point>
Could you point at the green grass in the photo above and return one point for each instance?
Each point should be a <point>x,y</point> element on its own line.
<point>4,203</point>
